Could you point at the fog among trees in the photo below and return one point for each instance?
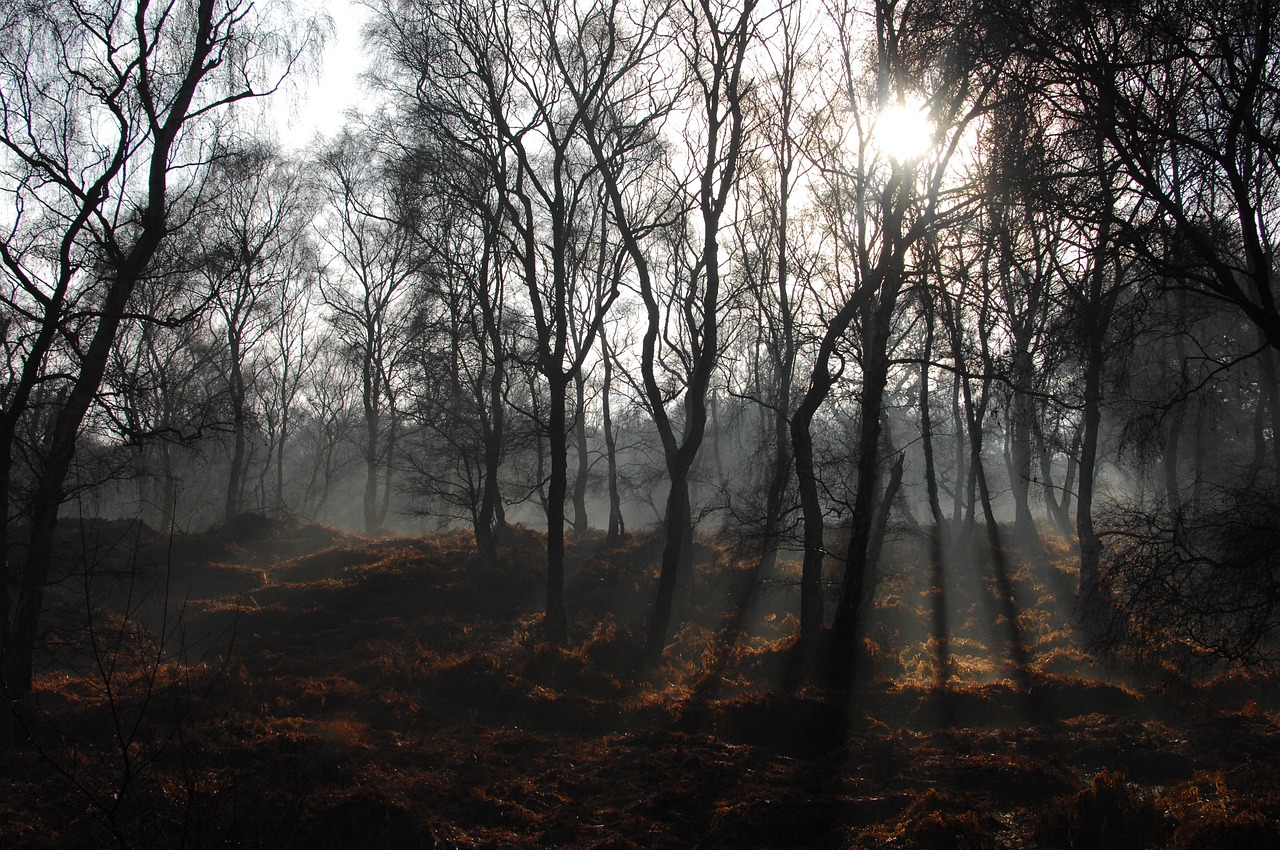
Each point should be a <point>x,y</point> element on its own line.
<point>800,279</point>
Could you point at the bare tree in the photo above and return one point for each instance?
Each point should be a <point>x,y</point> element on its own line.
<point>162,391</point>
<point>376,255</point>
<point>107,114</point>
<point>328,418</point>
<point>776,264</point>
<point>880,206</point>
<point>255,251</point>
<point>624,112</point>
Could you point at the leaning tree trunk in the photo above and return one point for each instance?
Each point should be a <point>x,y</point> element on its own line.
<point>821,380</point>
<point>19,638</point>
<point>858,565</point>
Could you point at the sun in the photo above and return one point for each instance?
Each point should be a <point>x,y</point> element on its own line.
<point>903,131</point>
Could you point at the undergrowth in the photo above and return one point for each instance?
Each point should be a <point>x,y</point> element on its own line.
<point>398,693</point>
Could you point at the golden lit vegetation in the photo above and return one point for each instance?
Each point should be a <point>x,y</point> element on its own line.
<point>398,693</point>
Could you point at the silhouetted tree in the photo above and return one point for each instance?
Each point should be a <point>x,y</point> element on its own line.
<point>109,113</point>
<point>374,257</point>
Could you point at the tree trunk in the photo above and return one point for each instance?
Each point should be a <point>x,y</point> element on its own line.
<point>777,488</point>
<point>1097,318</point>
<point>961,508</point>
<point>676,547</point>
<point>371,421</point>
<point>1023,416</point>
<point>926,428</point>
<point>490,494</point>
<point>393,436</point>
<point>880,527</point>
<point>1172,441</point>
<point>580,522</point>
<point>1201,456</point>
<point>1090,546</point>
<point>616,525</point>
<point>238,423</point>
<point>284,439</point>
<point>1054,509</point>
<point>60,446</point>
<point>555,625</point>
<point>814,529</point>
<point>493,423</point>
<point>858,566</point>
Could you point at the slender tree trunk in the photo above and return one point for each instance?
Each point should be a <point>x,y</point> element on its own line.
<point>490,496</point>
<point>960,506</point>
<point>169,496</point>
<point>814,529</point>
<point>238,425</point>
<point>777,488</point>
<point>580,522</point>
<point>821,380</point>
<point>926,428</point>
<point>616,525</point>
<point>1022,419</point>
<point>1097,319</point>
<point>1054,510</point>
<point>371,422</point>
<point>556,624</point>
<point>393,436</point>
<point>541,470</point>
<point>676,547</point>
<point>284,439</point>
<point>880,526</point>
<point>1090,546</point>
<point>1069,482</point>
<point>889,449</point>
<point>1172,442</point>
<point>493,423</point>
<point>858,566</point>
<point>715,435</point>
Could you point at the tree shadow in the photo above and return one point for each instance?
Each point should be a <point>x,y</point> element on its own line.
<point>1005,607</point>
<point>943,666</point>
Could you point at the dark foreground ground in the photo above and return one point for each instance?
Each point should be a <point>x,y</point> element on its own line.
<point>282,687</point>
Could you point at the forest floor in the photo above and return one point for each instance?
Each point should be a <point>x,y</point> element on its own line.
<point>288,686</point>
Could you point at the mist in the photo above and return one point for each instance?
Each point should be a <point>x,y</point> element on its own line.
<point>640,424</point>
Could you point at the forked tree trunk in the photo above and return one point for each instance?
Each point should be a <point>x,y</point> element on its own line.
<point>858,565</point>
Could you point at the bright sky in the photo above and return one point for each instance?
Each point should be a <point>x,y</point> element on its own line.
<point>318,104</point>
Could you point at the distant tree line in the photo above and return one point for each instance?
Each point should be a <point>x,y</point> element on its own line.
<point>661,253</point>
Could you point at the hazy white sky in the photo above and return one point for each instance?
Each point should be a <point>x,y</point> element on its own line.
<point>318,104</point>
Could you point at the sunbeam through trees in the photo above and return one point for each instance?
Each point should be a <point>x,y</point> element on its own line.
<point>795,385</point>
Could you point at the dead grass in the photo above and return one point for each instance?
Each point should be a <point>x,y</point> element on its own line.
<point>397,693</point>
